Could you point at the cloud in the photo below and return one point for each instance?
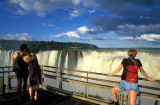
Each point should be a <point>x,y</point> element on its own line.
<point>106,23</point>
<point>110,35</point>
<point>50,25</point>
<point>128,18</point>
<point>83,29</point>
<point>125,27</point>
<point>144,37</point>
<point>92,30</point>
<point>125,7</point>
<point>41,7</point>
<point>150,37</point>
<point>23,36</point>
<point>137,30</point>
<point>75,13</point>
<point>75,34</point>
<point>92,11</point>
<point>126,38</point>
<point>71,34</point>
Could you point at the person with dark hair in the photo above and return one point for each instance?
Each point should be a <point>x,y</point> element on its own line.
<point>21,70</point>
<point>34,73</point>
<point>129,78</point>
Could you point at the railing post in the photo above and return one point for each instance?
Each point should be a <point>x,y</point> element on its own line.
<point>4,86</point>
<point>85,95</point>
<point>60,83</point>
<point>86,88</point>
<point>42,78</point>
<point>61,79</point>
<point>121,98</point>
<point>87,77</point>
<point>128,99</point>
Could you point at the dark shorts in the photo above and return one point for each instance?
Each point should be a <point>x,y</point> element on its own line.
<point>22,74</point>
<point>32,83</point>
<point>126,86</point>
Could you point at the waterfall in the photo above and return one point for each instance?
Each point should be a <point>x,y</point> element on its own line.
<point>6,57</point>
<point>66,61</point>
<point>104,61</point>
<point>53,58</point>
<point>59,60</point>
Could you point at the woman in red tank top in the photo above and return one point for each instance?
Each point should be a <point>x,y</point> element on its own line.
<point>129,78</point>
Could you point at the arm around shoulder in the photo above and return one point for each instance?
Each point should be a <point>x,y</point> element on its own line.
<point>32,56</point>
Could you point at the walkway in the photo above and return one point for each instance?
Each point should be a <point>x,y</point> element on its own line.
<point>45,98</point>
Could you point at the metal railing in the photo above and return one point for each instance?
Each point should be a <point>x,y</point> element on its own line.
<point>80,84</point>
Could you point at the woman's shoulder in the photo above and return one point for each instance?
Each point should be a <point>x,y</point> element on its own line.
<point>125,59</point>
<point>137,59</point>
<point>16,54</point>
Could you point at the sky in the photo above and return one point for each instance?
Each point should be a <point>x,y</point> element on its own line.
<point>105,23</point>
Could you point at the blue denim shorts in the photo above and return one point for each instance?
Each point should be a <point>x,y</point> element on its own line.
<point>126,86</point>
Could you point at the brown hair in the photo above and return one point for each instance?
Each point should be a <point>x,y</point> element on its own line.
<point>133,53</point>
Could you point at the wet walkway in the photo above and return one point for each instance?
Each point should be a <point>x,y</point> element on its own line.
<point>45,98</point>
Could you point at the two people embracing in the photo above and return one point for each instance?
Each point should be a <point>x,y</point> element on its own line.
<point>25,64</point>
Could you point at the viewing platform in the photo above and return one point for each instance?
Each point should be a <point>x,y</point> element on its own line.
<point>75,87</point>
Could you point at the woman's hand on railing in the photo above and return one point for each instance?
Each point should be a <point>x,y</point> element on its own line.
<point>151,79</point>
<point>110,74</point>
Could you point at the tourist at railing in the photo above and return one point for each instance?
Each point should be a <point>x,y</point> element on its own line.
<point>34,73</point>
<point>21,70</point>
<point>129,78</point>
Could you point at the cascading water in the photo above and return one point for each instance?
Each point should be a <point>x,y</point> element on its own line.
<point>94,61</point>
<point>104,61</point>
<point>66,61</point>
<point>6,57</point>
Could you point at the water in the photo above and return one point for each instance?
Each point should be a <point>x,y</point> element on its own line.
<point>101,61</point>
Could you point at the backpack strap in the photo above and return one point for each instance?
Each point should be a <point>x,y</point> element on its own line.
<point>18,54</point>
<point>129,62</point>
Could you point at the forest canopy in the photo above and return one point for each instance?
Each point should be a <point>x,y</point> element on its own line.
<point>44,45</point>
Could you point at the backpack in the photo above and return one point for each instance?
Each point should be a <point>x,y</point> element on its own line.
<point>17,63</point>
<point>132,74</point>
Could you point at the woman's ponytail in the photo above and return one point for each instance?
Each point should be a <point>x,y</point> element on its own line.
<point>132,54</point>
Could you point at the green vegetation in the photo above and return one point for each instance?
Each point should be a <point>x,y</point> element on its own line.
<point>44,45</point>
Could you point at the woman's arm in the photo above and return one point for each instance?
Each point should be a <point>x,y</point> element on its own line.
<point>145,75</point>
<point>13,57</point>
<point>116,71</point>
<point>32,56</point>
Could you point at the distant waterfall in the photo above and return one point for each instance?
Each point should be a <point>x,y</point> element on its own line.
<point>104,61</point>
<point>6,58</point>
<point>66,61</point>
<point>99,61</point>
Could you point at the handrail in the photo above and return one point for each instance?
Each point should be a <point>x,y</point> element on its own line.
<point>103,80</point>
<point>78,71</point>
<point>6,67</point>
<point>92,72</point>
<point>86,83</point>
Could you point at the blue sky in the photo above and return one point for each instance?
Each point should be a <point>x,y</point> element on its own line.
<point>105,23</point>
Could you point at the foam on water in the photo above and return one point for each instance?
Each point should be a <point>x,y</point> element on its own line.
<point>94,61</point>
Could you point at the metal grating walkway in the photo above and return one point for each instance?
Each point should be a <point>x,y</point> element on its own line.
<point>45,98</point>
